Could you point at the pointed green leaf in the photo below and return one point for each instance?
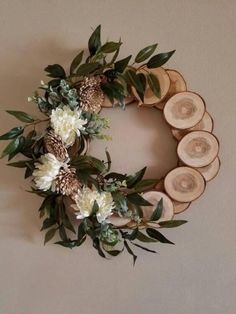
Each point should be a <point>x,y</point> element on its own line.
<point>134,80</point>
<point>144,238</point>
<point>76,62</point>
<point>137,199</point>
<point>130,252</point>
<point>156,215</point>
<point>133,180</point>
<point>153,233</point>
<point>154,84</point>
<point>110,47</point>
<point>19,164</point>
<point>159,59</point>
<point>11,147</point>
<point>121,65</point>
<point>87,68</point>
<point>55,71</point>
<point>49,235</point>
<point>146,183</point>
<point>94,42</point>
<point>143,248</point>
<point>13,133</point>
<point>145,53</point>
<point>172,223</point>
<point>22,116</point>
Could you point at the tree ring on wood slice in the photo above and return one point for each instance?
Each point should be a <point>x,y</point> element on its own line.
<point>198,149</point>
<point>210,172</point>
<point>119,221</point>
<point>180,207</point>
<point>206,124</point>
<point>184,110</point>
<point>184,184</point>
<point>154,197</point>
<point>149,97</point>
<point>177,85</point>
<point>108,104</point>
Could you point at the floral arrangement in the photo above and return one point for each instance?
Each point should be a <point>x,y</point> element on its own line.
<point>82,198</point>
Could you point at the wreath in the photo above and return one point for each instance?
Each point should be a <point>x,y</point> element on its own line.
<point>82,198</point>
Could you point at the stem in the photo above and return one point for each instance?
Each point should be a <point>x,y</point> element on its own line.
<point>35,122</point>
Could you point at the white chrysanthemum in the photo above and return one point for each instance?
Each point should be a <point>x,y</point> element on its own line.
<point>85,199</point>
<point>46,171</point>
<point>67,124</point>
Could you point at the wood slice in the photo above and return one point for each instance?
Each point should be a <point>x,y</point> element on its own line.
<point>177,85</point>
<point>206,124</point>
<point>198,149</point>
<point>180,207</point>
<point>154,197</point>
<point>119,221</point>
<point>210,172</point>
<point>149,97</point>
<point>184,110</point>
<point>184,184</point>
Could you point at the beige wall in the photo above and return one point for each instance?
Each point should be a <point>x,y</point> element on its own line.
<point>198,275</point>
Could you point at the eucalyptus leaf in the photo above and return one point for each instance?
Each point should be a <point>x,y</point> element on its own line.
<point>76,62</point>
<point>22,116</point>
<point>153,233</point>
<point>13,133</point>
<point>154,84</point>
<point>145,53</point>
<point>159,59</point>
<point>94,42</point>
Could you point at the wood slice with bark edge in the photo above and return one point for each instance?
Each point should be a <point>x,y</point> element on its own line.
<point>210,172</point>
<point>154,197</point>
<point>184,110</point>
<point>180,207</point>
<point>149,97</point>
<point>177,85</point>
<point>107,103</point>
<point>118,221</point>
<point>184,184</point>
<point>206,124</point>
<point>198,149</point>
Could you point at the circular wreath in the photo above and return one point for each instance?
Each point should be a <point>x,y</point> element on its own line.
<point>81,196</point>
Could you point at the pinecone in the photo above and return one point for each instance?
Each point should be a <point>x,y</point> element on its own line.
<point>91,94</point>
<point>54,145</point>
<point>66,182</point>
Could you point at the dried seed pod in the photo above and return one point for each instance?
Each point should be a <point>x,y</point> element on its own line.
<point>184,110</point>
<point>180,207</point>
<point>177,85</point>
<point>54,145</point>
<point>206,124</point>
<point>66,182</point>
<point>164,81</point>
<point>154,197</point>
<point>118,221</point>
<point>210,172</point>
<point>198,149</point>
<point>184,184</point>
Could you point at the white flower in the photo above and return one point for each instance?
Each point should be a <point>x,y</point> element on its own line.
<point>85,199</point>
<point>67,123</point>
<point>46,171</point>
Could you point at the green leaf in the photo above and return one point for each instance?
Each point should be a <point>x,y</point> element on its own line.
<point>153,233</point>
<point>171,223</point>
<point>22,116</point>
<point>81,232</point>
<point>134,80</point>
<point>108,160</point>
<point>154,84</point>
<point>55,71</point>
<point>13,133</point>
<point>87,68</point>
<point>110,47</point>
<point>133,180</point>
<point>47,223</point>
<point>19,164</point>
<point>132,235</point>
<point>159,59</point>
<point>62,233</point>
<point>143,248</point>
<point>121,65</point>
<point>144,238</point>
<point>130,252</point>
<point>49,235</point>
<point>145,53</point>
<point>76,62</point>
<point>137,199</point>
<point>11,147</point>
<point>113,252</point>
<point>19,147</point>
<point>156,215</point>
<point>120,201</point>
<point>146,183</point>
<point>96,245</point>
<point>94,42</point>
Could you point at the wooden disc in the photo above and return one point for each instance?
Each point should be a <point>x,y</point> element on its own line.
<point>180,207</point>
<point>119,221</point>
<point>210,172</point>
<point>154,197</point>
<point>198,149</point>
<point>184,110</point>
<point>206,124</point>
<point>177,85</point>
<point>164,80</point>
<point>184,184</point>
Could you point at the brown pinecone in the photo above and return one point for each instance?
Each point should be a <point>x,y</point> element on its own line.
<point>66,182</point>
<point>54,145</point>
<point>91,94</point>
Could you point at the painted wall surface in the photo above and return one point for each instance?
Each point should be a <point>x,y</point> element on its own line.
<point>198,274</point>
